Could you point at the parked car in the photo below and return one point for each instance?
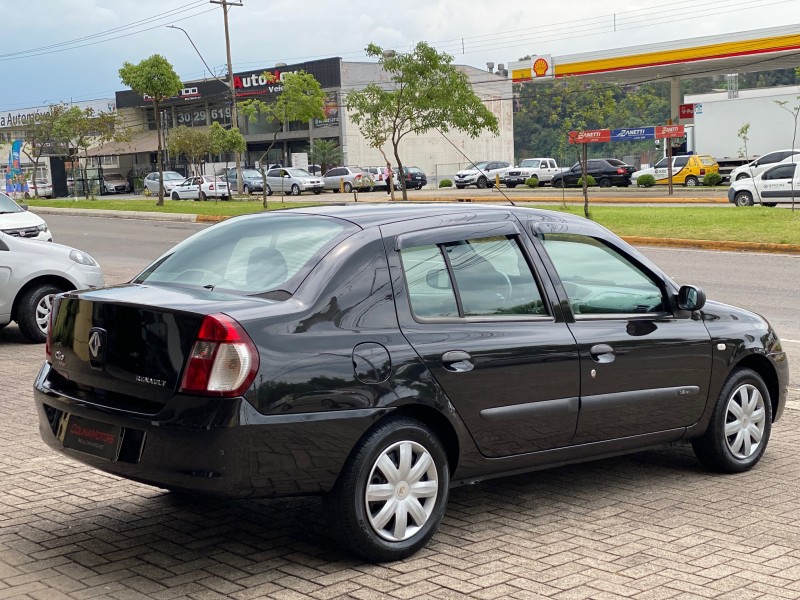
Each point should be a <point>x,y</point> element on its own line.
<point>380,177</point>
<point>354,178</point>
<point>114,183</point>
<point>292,181</point>
<point>415,178</point>
<point>171,179</point>
<point>252,181</point>
<point>377,354</point>
<point>32,273</point>
<point>606,172</point>
<point>781,183</point>
<point>689,170</point>
<point>762,163</point>
<point>17,221</point>
<point>541,168</point>
<point>201,187</point>
<point>43,189</point>
<point>481,174</point>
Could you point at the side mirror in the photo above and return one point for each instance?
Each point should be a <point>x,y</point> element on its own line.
<point>691,298</point>
<point>23,206</point>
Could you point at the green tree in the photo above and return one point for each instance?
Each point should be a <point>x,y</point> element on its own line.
<point>426,92</point>
<point>192,142</point>
<point>326,154</point>
<point>41,134</point>
<point>302,99</point>
<point>155,77</point>
<point>225,141</point>
<point>83,129</point>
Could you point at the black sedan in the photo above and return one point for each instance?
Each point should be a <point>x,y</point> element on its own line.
<point>378,354</point>
<point>605,171</point>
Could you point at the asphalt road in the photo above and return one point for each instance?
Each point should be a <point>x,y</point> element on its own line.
<point>764,283</point>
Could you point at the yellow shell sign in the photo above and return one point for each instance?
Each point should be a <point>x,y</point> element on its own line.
<point>536,67</point>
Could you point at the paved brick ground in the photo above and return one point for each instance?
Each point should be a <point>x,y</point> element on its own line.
<point>648,526</point>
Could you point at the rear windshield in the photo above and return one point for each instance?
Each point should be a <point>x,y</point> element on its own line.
<point>250,255</point>
<point>616,163</point>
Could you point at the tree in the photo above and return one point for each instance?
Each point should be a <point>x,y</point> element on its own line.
<point>193,142</point>
<point>82,129</point>
<point>226,141</point>
<point>427,92</point>
<point>302,99</point>
<point>326,154</point>
<point>41,134</point>
<point>795,112</point>
<point>156,78</point>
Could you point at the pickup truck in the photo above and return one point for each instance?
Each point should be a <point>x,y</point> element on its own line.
<point>541,168</point>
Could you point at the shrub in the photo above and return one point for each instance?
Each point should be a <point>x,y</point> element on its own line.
<point>712,179</point>
<point>532,182</point>
<point>445,183</point>
<point>590,181</point>
<point>646,181</point>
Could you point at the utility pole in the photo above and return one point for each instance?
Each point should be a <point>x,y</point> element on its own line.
<point>234,113</point>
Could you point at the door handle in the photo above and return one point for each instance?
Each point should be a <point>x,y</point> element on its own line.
<point>457,361</point>
<point>602,353</point>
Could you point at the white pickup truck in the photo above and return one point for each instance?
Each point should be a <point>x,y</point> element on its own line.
<point>541,168</point>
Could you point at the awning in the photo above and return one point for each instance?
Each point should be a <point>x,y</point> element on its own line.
<point>145,141</point>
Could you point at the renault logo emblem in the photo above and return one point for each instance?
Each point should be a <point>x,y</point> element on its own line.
<point>97,348</point>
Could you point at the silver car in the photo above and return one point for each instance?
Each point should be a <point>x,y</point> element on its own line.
<point>348,178</point>
<point>32,273</point>
<point>292,181</point>
<point>171,179</point>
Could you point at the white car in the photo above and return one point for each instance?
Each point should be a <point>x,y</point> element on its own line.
<point>541,168</point>
<point>762,163</point>
<point>779,184</point>
<point>482,174</point>
<point>201,187</point>
<point>33,272</point>
<point>16,221</point>
<point>171,179</point>
<point>44,189</point>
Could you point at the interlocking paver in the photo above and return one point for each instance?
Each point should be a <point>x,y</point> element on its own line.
<point>652,526</point>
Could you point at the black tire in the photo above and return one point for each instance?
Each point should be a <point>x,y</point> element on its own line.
<point>692,181</point>
<point>557,183</point>
<point>604,182</point>
<point>742,176</point>
<point>3,325</point>
<point>353,517</point>
<point>717,448</point>
<point>202,196</point>
<point>511,185</point>
<point>295,190</point>
<point>460,187</point>
<point>743,198</point>
<point>269,190</point>
<point>770,204</point>
<point>348,187</point>
<point>317,192</point>
<point>33,313</point>
<point>175,196</point>
<point>482,183</point>
<point>246,189</point>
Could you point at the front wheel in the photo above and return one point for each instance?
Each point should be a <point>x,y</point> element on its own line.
<point>392,492</point>
<point>604,182</point>
<point>511,185</point>
<point>482,183</point>
<point>175,196</point>
<point>246,190</point>
<point>460,187</point>
<point>295,189</point>
<point>692,181</point>
<point>202,197</point>
<point>557,183</point>
<point>33,312</point>
<point>269,190</point>
<point>743,198</point>
<point>740,425</point>
<point>317,192</point>
<point>742,176</point>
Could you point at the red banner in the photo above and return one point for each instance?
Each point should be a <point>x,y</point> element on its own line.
<point>669,131</point>
<point>686,111</point>
<point>589,136</point>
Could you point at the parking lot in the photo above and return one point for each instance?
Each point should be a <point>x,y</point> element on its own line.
<point>652,525</point>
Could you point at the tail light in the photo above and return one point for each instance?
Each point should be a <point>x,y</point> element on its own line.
<point>621,171</point>
<point>210,186</point>
<point>223,361</point>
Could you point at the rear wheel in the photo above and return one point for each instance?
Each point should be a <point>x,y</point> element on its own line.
<point>743,198</point>
<point>557,183</point>
<point>511,185</point>
<point>246,189</point>
<point>202,196</point>
<point>392,492</point>
<point>33,312</point>
<point>348,187</point>
<point>692,181</point>
<point>269,190</point>
<point>740,426</point>
<point>604,182</point>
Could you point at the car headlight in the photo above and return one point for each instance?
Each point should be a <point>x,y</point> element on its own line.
<point>42,227</point>
<point>82,258</point>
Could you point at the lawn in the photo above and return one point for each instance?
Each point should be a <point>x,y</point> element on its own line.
<point>726,223</point>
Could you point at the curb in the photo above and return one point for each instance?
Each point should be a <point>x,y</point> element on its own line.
<point>573,199</point>
<point>118,214</point>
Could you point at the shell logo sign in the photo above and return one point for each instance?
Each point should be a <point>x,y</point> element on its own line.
<point>536,67</point>
<point>540,67</point>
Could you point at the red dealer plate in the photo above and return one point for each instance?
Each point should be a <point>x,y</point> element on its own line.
<point>92,437</point>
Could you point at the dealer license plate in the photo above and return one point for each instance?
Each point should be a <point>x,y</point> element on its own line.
<point>93,437</point>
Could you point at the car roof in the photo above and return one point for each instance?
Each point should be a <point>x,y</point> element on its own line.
<point>370,215</point>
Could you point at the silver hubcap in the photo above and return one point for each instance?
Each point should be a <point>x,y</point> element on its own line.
<point>745,418</point>
<point>401,491</point>
<point>43,313</point>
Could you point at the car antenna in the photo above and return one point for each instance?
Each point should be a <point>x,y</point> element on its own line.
<point>472,163</point>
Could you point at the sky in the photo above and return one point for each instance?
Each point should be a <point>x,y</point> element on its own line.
<point>58,51</point>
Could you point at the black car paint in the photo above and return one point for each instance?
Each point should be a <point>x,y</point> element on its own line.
<point>327,352</point>
<point>598,169</point>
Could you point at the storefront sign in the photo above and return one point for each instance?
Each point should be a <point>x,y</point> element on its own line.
<point>686,111</point>
<point>28,116</point>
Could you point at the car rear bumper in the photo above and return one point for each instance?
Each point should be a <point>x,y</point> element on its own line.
<point>210,445</point>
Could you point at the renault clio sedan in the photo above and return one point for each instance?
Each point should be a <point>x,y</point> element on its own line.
<point>379,354</point>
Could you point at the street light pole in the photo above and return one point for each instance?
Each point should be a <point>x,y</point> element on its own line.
<point>234,113</point>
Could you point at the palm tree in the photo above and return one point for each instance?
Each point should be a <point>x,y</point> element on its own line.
<point>326,154</point>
